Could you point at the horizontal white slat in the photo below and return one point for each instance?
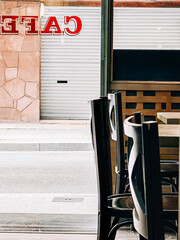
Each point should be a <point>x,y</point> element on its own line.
<point>146,28</point>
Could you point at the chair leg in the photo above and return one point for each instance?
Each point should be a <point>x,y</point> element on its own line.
<point>120,184</point>
<point>127,189</point>
<point>115,221</point>
<point>104,225</point>
<point>172,183</point>
<point>171,226</point>
<point>142,238</point>
<point>177,182</point>
<point>112,233</point>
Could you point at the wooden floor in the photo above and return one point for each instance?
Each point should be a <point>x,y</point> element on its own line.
<point>121,235</point>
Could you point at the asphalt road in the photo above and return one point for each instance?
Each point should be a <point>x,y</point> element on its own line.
<point>47,172</point>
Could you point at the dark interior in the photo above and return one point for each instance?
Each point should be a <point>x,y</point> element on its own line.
<point>146,65</point>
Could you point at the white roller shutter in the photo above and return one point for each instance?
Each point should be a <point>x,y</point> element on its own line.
<point>73,59</point>
<point>77,59</point>
<point>147,28</point>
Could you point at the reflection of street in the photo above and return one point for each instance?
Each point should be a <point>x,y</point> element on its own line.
<point>47,190</point>
<point>66,172</point>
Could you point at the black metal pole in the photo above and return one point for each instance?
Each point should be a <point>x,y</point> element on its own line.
<point>106,45</point>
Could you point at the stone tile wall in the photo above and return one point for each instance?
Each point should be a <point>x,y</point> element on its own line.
<point>20,67</point>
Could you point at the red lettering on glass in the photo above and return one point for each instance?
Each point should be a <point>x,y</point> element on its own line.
<point>10,26</point>
<point>77,22</point>
<point>31,25</point>
<point>52,24</point>
<point>51,28</point>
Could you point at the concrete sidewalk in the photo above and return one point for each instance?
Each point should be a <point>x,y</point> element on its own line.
<point>45,136</point>
<point>121,235</point>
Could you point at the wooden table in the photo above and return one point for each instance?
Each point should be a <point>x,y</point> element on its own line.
<point>169,117</point>
<point>170,129</point>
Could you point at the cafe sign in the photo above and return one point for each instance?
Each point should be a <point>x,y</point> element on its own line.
<point>8,25</point>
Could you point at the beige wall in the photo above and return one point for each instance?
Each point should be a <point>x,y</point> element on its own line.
<point>19,67</point>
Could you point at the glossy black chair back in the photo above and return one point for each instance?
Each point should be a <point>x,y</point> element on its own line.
<point>117,134</point>
<point>101,144</point>
<point>147,215</point>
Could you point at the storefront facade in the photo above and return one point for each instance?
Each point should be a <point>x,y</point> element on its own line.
<point>54,77</point>
<point>20,66</point>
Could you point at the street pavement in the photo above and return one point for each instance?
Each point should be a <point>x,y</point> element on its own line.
<point>47,177</point>
<point>48,182</point>
<point>71,172</point>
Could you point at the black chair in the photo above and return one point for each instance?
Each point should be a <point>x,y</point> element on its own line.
<point>169,168</point>
<point>117,135</point>
<point>149,215</point>
<point>112,209</point>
